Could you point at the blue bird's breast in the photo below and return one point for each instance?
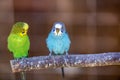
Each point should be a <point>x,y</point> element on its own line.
<point>58,44</point>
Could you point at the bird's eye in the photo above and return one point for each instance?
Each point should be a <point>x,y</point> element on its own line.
<point>62,31</point>
<point>53,30</point>
<point>23,32</point>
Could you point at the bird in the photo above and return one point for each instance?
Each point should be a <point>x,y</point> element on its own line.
<point>18,41</point>
<point>58,41</point>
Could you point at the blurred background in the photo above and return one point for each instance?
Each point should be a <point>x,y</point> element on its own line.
<point>93,27</point>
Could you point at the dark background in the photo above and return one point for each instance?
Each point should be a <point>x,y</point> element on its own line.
<point>93,27</point>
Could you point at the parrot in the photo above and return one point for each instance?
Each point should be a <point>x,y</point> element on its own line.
<point>58,41</point>
<point>18,41</point>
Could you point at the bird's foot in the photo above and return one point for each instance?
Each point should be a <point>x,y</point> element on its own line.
<point>50,54</point>
<point>66,58</point>
<point>66,53</point>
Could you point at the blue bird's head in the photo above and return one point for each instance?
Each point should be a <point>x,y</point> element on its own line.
<point>58,29</point>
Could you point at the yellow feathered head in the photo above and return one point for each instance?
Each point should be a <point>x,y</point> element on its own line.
<point>20,28</point>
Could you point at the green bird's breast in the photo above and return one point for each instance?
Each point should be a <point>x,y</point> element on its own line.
<point>18,45</point>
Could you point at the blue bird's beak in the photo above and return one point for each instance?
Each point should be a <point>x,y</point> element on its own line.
<point>57,30</point>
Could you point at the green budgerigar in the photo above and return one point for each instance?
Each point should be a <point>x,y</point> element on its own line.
<point>18,40</point>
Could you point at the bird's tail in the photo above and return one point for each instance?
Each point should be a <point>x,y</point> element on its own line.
<point>63,74</point>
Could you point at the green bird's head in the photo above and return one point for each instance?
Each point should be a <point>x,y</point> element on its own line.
<point>20,28</point>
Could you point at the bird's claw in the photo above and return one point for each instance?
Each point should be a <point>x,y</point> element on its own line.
<point>66,53</point>
<point>50,54</point>
<point>66,58</point>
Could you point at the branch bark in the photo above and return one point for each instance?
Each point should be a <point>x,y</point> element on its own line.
<point>82,60</point>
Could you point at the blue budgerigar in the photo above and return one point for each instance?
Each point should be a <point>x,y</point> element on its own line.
<point>58,41</point>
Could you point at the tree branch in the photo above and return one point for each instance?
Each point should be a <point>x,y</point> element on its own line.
<point>82,60</point>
